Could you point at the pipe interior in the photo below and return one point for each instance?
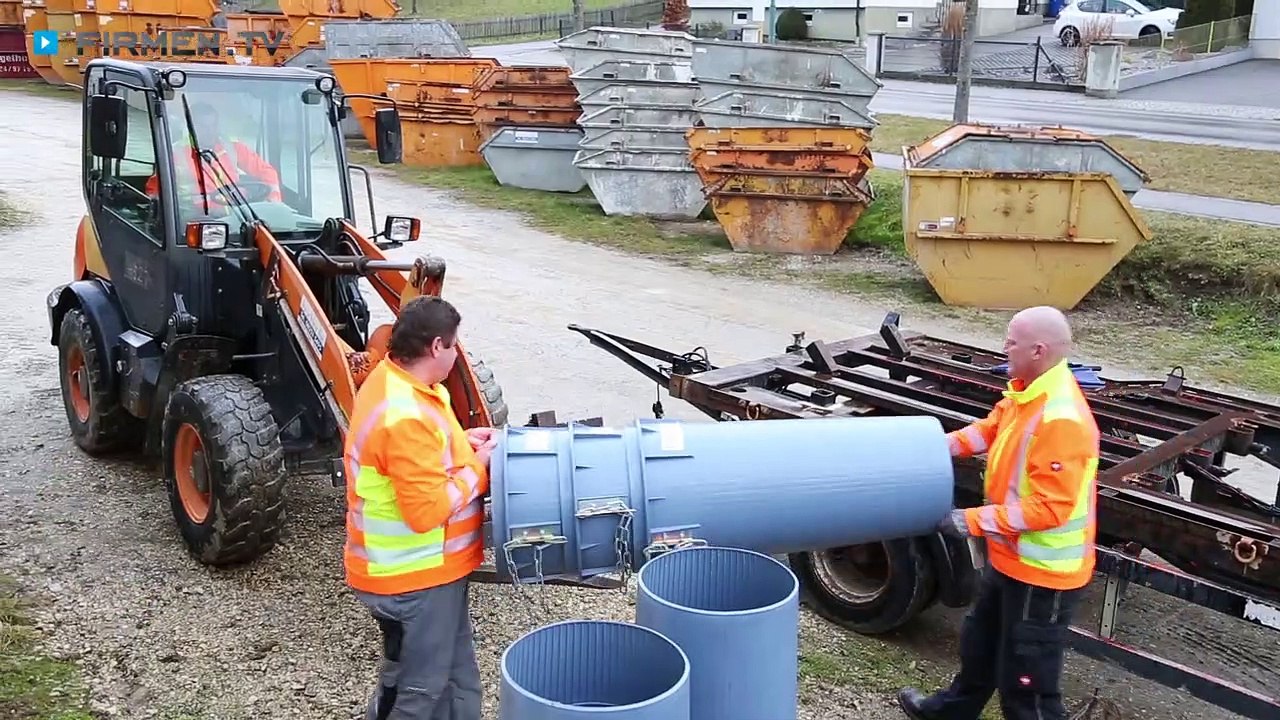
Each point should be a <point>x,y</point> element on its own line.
<point>714,579</point>
<point>595,664</point>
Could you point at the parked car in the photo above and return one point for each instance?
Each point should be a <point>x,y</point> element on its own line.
<point>1128,18</point>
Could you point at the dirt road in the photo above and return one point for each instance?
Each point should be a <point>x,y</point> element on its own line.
<point>160,636</point>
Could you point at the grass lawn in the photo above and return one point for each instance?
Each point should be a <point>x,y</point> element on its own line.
<point>33,685</point>
<point>1215,282</point>
<point>1212,170</point>
<point>497,9</point>
<point>10,216</point>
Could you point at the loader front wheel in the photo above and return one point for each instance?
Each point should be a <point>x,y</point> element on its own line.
<point>99,424</point>
<point>224,469</point>
<point>872,588</point>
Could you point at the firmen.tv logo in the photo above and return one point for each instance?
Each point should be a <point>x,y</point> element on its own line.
<point>176,43</point>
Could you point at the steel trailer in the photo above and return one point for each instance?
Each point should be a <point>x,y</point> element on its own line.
<point>1162,485</point>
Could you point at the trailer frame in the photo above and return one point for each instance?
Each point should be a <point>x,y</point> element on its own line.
<point>1220,548</point>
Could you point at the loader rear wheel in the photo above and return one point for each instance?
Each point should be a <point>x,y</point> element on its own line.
<point>490,390</point>
<point>99,424</point>
<point>871,588</point>
<point>224,469</point>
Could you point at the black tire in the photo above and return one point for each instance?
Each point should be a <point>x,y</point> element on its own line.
<point>1070,37</point>
<point>242,461</point>
<point>99,423</point>
<point>870,589</point>
<point>1149,30</point>
<point>490,390</point>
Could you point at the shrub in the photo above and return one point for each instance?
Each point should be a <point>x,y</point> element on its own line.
<point>791,25</point>
<point>1201,12</point>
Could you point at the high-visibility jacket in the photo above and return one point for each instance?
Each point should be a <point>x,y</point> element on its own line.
<point>1042,447</point>
<point>414,488</point>
<point>240,161</point>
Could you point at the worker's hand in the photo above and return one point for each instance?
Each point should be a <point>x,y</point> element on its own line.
<point>479,436</point>
<point>486,449</point>
<point>954,525</point>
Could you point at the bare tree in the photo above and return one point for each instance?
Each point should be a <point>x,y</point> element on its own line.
<point>579,15</point>
<point>964,75</point>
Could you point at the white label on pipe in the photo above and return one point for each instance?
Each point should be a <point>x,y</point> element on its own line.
<point>537,441</point>
<point>671,437</point>
<point>1262,613</point>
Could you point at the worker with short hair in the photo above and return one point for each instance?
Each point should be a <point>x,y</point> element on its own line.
<point>1039,521</point>
<point>415,487</point>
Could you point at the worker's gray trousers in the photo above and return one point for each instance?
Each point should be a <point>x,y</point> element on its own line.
<point>429,667</point>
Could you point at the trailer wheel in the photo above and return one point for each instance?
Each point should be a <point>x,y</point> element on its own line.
<point>490,390</point>
<point>224,468</point>
<point>99,424</point>
<point>871,588</point>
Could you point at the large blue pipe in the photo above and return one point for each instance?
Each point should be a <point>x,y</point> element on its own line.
<point>575,670</point>
<point>580,501</point>
<point>735,614</point>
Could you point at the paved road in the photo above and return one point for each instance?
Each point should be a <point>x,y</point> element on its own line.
<point>1240,126</point>
<point>1254,82</point>
<point>1181,203</point>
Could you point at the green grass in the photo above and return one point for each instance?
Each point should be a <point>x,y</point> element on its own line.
<point>10,214</point>
<point>1212,170</point>
<point>33,685</point>
<point>497,9</point>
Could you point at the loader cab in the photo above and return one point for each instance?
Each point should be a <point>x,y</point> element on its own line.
<point>271,151</point>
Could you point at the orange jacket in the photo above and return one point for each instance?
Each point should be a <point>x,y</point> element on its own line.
<point>1042,447</point>
<point>244,162</point>
<point>415,488</point>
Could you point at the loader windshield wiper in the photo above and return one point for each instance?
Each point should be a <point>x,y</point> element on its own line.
<point>227,188</point>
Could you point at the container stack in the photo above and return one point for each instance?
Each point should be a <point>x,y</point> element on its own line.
<point>528,119</point>
<point>15,60</point>
<point>637,92</point>
<point>787,144</point>
<point>437,104</point>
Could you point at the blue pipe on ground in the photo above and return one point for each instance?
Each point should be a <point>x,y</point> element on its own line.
<point>581,501</point>
<point>576,669</point>
<point>735,614</point>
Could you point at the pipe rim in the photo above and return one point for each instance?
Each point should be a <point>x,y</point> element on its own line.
<point>680,685</point>
<point>791,596</point>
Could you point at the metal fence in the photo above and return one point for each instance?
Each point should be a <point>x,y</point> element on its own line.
<point>1020,63</point>
<point>1211,37</point>
<point>631,14</point>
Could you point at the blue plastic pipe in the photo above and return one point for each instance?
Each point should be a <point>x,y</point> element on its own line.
<point>594,669</point>
<point>581,501</point>
<point>736,615</point>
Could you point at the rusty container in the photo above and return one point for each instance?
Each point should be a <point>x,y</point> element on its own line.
<point>275,25</point>
<point>412,93</point>
<point>430,141</point>
<point>540,78</point>
<point>202,9</point>
<point>35,19</point>
<point>492,119</point>
<point>831,152</point>
<point>995,236</point>
<point>784,189</point>
<point>66,64</point>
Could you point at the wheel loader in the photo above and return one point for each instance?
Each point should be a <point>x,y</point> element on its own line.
<point>215,321</point>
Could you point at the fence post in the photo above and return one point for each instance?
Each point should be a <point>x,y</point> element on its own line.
<point>1035,65</point>
<point>1209,48</point>
<point>875,53</point>
<point>1102,69</point>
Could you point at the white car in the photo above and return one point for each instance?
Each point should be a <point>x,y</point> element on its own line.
<point>1128,18</point>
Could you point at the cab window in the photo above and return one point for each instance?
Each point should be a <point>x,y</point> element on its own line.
<point>122,183</point>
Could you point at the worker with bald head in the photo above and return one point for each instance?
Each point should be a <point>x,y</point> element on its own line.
<point>1041,445</point>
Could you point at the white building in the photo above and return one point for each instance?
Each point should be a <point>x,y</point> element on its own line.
<point>854,19</point>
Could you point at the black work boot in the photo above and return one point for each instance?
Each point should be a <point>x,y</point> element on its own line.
<point>911,701</point>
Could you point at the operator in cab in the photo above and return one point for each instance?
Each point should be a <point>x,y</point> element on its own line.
<point>1039,521</point>
<point>415,508</point>
<point>235,158</point>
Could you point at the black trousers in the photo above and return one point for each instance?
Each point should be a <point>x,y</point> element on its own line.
<point>1013,641</point>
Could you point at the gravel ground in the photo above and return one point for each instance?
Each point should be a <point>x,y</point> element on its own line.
<point>283,638</point>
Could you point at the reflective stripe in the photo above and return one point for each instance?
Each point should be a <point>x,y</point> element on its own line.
<point>389,545</point>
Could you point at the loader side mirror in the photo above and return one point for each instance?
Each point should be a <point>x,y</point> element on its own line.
<point>390,144</point>
<point>398,229</point>
<point>108,126</point>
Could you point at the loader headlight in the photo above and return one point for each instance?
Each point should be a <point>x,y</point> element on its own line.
<point>325,84</point>
<point>207,236</point>
<point>401,229</point>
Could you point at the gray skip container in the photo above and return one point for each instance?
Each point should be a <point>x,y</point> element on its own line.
<point>535,158</point>
<point>393,38</point>
<point>586,48</point>
<point>649,183</point>
<point>770,109</point>
<point>629,72</point>
<point>673,95</point>
<point>723,66</point>
<point>659,126</point>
